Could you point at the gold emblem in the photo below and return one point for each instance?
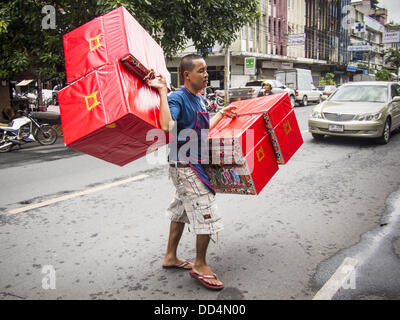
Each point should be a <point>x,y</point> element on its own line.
<point>94,42</point>
<point>260,154</point>
<point>287,128</point>
<point>95,102</point>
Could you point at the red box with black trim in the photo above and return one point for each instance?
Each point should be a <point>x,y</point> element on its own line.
<point>108,114</point>
<point>250,177</point>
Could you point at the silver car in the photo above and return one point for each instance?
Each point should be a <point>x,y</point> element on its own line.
<point>358,109</point>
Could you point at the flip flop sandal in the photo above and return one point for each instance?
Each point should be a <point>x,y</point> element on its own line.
<point>202,278</point>
<point>181,266</point>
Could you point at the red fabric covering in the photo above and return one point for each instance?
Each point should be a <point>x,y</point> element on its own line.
<point>108,114</point>
<point>106,39</point>
<point>245,151</point>
<point>107,111</point>
<point>280,121</point>
<point>250,177</point>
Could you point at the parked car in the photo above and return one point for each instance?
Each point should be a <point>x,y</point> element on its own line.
<point>302,82</point>
<point>358,109</point>
<point>277,87</point>
<point>327,90</point>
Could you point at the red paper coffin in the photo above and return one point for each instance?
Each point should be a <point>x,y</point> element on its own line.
<point>108,114</point>
<point>107,39</point>
<point>258,168</point>
<point>280,120</point>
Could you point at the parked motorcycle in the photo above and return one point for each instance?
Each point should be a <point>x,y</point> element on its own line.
<point>210,102</point>
<point>210,99</point>
<point>25,129</point>
<point>220,98</point>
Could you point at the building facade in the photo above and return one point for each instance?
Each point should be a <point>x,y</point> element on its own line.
<point>296,17</point>
<point>308,34</point>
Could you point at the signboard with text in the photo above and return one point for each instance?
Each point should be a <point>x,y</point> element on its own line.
<point>296,39</point>
<point>391,37</point>
<point>250,66</point>
<point>359,48</point>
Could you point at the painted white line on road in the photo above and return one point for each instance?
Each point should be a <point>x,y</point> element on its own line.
<point>77,194</point>
<point>337,280</point>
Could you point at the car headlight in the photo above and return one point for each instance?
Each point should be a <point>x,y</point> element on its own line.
<point>369,116</point>
<point>316,115</point>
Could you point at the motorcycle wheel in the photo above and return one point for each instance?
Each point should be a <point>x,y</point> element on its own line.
<point>5,149</point>
<point>46,135</point>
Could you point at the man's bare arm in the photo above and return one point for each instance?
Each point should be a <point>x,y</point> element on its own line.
<point>159,83</point>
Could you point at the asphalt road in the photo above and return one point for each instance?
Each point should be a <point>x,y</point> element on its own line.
<point>335,199</point>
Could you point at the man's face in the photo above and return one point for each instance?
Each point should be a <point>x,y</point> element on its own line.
<point>198,77</point>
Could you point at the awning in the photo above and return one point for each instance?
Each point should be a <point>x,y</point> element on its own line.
<point>23,83</point>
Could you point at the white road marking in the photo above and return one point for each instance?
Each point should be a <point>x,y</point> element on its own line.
<point>77,194</point>
<point>337,280</point>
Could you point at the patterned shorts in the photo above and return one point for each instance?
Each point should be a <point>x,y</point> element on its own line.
<point>193,203</point>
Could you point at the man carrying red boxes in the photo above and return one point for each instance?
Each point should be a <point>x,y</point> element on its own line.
<point>107,111</point>
<point>194,200</point>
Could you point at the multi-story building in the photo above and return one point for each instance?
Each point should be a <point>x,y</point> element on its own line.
<point>265,39</point>
<point>368,31</point>
<point>296,23</point>
<point>310,34</point>
<point>322,30</point>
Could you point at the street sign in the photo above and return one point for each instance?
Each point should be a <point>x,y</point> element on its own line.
<point>250,66</point>
<point>391,37</point>
<point>359,48</point>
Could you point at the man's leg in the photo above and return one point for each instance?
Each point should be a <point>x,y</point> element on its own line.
<point>200,265</point>
<point>175,234</point>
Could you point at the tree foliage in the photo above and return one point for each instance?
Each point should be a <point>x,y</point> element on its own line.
<point>25,45</point>
<point>327,80</point>
<point>392,57</point>
<point>384,75</point>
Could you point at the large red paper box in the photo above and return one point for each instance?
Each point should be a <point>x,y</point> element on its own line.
<point>280,120</point>
<point>107,39</point>
<point>242,159</point>
<point>245,152</point>
<point>109,113</point>
<point>248,177</point>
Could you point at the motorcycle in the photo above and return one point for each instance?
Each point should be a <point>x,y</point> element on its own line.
<point>210,102</point>
<point>210,99</point>
<point>25,129</point>
<point>220,98</point>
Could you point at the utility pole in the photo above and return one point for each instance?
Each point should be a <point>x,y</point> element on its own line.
<point>369,62</point>
<point>226,75</point>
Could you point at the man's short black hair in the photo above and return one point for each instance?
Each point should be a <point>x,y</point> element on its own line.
<point>187,63</point>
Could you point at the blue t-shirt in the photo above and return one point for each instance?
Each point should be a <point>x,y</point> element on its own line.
<point>184,107</point>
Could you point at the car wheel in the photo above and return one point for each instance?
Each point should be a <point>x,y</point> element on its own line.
<point>292,101</point>
<point>305,101</point>
<point>317,136</point>
<point>384,139</point>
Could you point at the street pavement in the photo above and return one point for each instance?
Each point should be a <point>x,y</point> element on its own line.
<point>335,199</point>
